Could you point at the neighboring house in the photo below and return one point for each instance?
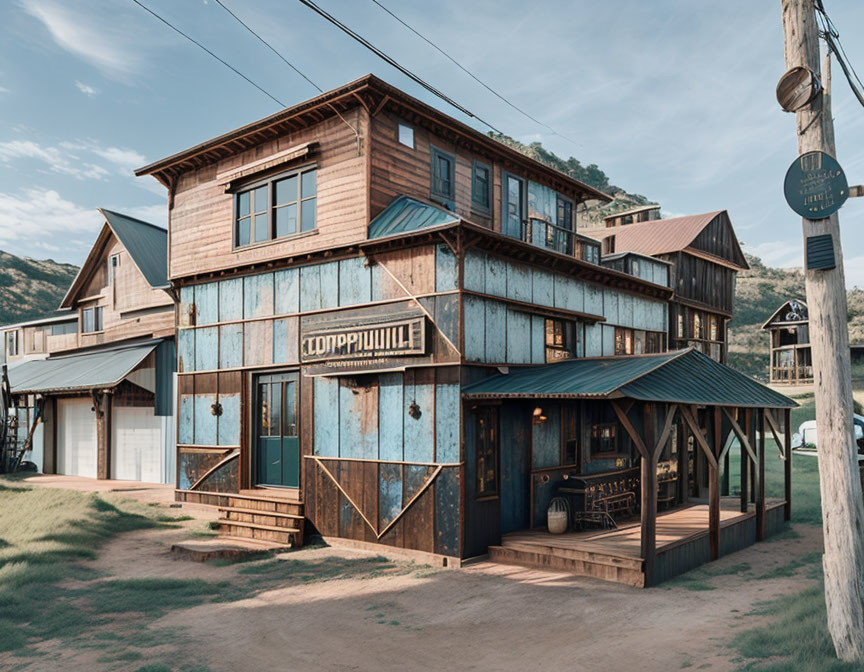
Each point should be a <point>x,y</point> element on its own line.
<point>643,213</point>
<point>105,392</point>
<point>789,331</point>
<point>389,329</point>
<point>704,257</point>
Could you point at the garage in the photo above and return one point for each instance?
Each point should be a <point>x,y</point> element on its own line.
<point>136,444</point>
<point>76,437</point>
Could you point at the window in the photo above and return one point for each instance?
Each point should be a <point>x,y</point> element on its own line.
<point>11,343</point>
<point>113,265</point>
<point>443,177</point>
<point>638,342</point>
<point>588,252</point>
<point>91,320</point>
<point>604,439</point>
<point>481,188</point>
<point>64,328</point>
<point>565,213</point>
<point>623,341</point>
<point>634,267</point>
<point>512,206</point>
<point>282,206</point>
<point>556,341</point>
<point>653,342</point>
<point>681,325</point>
<point>714,329</point>
<point>698,331</point>
<point>570,439</point>
<point>487,451</point>
<point>406,135</point>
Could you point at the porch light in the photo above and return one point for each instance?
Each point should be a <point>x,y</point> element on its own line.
<point>538,418</point>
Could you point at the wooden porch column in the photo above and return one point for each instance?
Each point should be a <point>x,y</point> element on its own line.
<point>787,466</point>
<point>683,461</point>
<point>760,483</point>
<point>745,464</point>
<point>714,489</point>
<point>102,406</point>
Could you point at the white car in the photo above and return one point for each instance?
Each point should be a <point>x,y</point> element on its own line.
<point>805,438</point>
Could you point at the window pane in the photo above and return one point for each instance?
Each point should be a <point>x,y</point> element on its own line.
<point>406,135</point>
<point>243,231</point>
<point>260,199</point>
<point>286,190</point>
<point>261,229</point>
<point>309,184</point>
<point>290,423</point>
<point>243,204</point>
<point>286,220</point>
<point>276,409</point>
<point>264,401</point>
<point>307,215</point>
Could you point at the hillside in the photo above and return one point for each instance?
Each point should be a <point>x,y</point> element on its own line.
<point>30,288</point>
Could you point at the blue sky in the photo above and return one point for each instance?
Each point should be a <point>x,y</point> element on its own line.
<point>673,99</point>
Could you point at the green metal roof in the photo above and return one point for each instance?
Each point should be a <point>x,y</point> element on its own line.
<point>146,243</point>
<point>408,214</point>
<point>100,369</point>
<point>682,377</point>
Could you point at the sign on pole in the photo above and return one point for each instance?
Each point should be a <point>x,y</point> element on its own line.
<point>815,185</point>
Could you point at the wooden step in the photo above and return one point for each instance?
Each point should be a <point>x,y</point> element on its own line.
<point>263,518</point>
<point>576,555</point>
<point>538,559</point>
<point>259,512</point>
<point>282,535</point>
<point>263,504</point>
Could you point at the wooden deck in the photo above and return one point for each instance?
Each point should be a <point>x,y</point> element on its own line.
<point>615,555</point>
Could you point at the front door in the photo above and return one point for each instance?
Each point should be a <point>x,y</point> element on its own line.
<point>278,439</point>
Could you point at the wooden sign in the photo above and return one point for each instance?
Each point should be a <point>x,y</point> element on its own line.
<point>365,341</point>
<point>815,186</point>
<point>797,88</point>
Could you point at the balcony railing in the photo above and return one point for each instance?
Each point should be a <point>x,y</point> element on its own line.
<point>792,374</point>
<point>544,234</point>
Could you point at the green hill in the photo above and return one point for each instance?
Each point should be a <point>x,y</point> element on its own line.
<point>31,288</point>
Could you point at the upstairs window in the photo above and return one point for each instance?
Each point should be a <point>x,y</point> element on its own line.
<point>634,267</point>
<point>698,327</point>
<point>481,188</point>
<point>63,328</point>
<point>405,135</point>
<point>443,178</point>
<point>91,320</point>
<point>565,213</point>
<point>113,265</point>
<point>283,206</point>
<point>714,329</point>
<point>623,341</point>
<point>11,343</point>
<point>557,347</point>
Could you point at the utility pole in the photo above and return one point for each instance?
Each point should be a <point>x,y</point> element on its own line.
<point>839,480</point>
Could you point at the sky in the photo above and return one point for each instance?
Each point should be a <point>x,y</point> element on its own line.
<point>673,99</point>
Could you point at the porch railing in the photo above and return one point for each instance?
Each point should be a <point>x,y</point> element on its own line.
<point>792,374</point>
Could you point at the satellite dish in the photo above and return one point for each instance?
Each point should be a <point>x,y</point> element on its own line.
<point>797,88</point>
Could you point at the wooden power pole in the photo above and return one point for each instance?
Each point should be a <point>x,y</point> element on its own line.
<point>839,480</point>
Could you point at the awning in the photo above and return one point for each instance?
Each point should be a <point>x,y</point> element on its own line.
<point>408,214</point>
<point>682,377</point>
<point>92,370</point>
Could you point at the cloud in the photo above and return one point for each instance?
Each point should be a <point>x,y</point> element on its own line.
<point>3,89</point>
<point>58,160</point>
<point>780,253</point>
<point>86,89</point>
<point>37,215</point>
<point>124,158</point>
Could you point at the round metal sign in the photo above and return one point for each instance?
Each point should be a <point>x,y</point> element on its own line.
<point>797,87</point>
<point>815,185</point>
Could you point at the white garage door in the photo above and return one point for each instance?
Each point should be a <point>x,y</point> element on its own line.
<point>136,444</point>
<point>76,437</point>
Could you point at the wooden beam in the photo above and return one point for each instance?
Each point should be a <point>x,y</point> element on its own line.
<point>687,412</point>
<point>745,467</point>
<point>648,487</point>
<point>760,490</point>
<point>714,490</point>
<point>631,431</point>
<point>667,430</point>
<point>742,436</point>
<point>787,466</point>
<point>684,462</point>
<point>775,431</point>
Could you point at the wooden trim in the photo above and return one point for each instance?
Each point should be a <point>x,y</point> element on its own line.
<point>714,492</point>
<point>667,430</point>
<point>538,309</point>
<point>361,459</point>
<point>687,414</point>
<point>742,437</point>
<point>775,431</point>
<point>634,435</point>
<point>232,455</point>
<point>346,495</point>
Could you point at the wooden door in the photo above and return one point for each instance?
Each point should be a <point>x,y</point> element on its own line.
<point>278,439</point>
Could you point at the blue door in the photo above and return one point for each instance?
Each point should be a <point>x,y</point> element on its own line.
<point>278,438</point>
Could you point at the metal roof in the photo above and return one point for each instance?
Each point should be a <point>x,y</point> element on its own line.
<point>92,370</point>
<point>51,318</point>
<point>146,243</point>
<point>682,377</point>
<point>406,214</point>
<point>656,236</point>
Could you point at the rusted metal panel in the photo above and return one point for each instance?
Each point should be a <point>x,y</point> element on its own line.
<point>611,304</point>
<point>390,493</point>
<point>593,299</point>
<point>447,518</point>
<point>475,328</point>
<point>538,340</point>
<point>358,421</point>
<point>258,342</point>
<point>187,305</point>
<point>287,291</point>
<point>419,432</point>
<point>229,421</point>
<point>497,271</point>
<point>543,287</point>
<point>206,303</point>
<point>329,284</point>
<point>310,288</point>
<point>475,271</point>
<point>569,294</point>
<point>205,421</point>
<point>518,282</point>
<point>186,421</point>
<point>593,340</point>
<point>185,350</point>
<point>625,310</point>
<point>355,282</point>
<point>608,340</point>
<point>285,340</point>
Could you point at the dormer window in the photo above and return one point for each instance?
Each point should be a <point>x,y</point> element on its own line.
<point>282,206</point>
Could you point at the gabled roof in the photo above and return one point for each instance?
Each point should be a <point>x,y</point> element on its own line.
<point>147,245</point>
<point>51,318</point>
<point>682,377</point>
<point>408,214</point>
<point>663,236</point>
<point>787,308</point>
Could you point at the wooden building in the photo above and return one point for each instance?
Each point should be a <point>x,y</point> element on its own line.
<point>99,399</point>
<point>36,339</point>
<point>643,213</point>
<point>347,268</point>
<point>789,332</point>
<point>704,257</point>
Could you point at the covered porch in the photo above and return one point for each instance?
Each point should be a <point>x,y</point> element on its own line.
<point>661,404</point>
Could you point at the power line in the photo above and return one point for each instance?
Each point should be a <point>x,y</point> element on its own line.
<point>472,75</point>
<point>832,38</point>
<point>201,46</point>
<point>405,71</point>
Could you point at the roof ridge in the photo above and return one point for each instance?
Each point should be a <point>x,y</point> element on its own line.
<point>134,219</point>
<point>675,355</point>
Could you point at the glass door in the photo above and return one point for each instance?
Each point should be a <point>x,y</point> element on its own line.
<point>513,210</point>
<point>278,439</point>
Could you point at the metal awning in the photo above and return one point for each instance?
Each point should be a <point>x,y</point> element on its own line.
<point>682,377</point>
<point>92,370</point>
<point>408,214</point>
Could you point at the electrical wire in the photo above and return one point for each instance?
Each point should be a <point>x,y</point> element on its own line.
<point>472,75</point>
<point>831,36</point>
<point>391,61</point>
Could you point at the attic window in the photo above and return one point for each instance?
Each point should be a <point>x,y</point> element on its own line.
<point>113,265</point>
<point>406,135</point>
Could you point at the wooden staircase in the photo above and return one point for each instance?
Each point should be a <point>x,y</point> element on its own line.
<point>261,516</point>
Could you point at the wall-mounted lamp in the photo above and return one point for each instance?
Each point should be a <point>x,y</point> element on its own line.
<point>414,410</point>
<point>537,417</point>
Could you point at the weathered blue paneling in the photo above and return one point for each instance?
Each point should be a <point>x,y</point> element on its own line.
<point>230,346</point>
<point>593,340</point>
<point>258,342</point>
<point>389,493</point>
<point>538,339</point>
<point>660,274</point>
<point>446,269</point>
<point>546,446</point>
<point>608,340</point>
<point>326,406</point>
<point>206,303</point>
<point>287,291</point>
<point>543,287</point>
<point>419,433</point>
<point>231,299</point>
<point>310,288</point>
<point>475,271</point>
<point>518,282</point>
<point>390,416</point>
<point>496,332</point>
<point>447,508</point>
<point>358,422</point>
<point>496,276</point>
<point>415,477</point>
<point>205,421</point>
<point>447,402</point>
<point>229,421</point>
<point>185,350</point>
<point>355,282</point>
<point>475,328</point>
<point>611,304</point>
<point>518,337</point>
<point>569,294</point>
<point>187,303</point>
<point>258,295</point>
<point>329,284</point>
<point>285,340</point>
<point>207,349</point>
<point>515,466</point>
<point>625,310</point>
<point>593,300</point>
<point>186,421</point>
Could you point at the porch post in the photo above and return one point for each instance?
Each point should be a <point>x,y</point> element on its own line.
<point>649,493</point>
<point>760,483</point>
<point>714,489</point>
<point>787,466</point>
<point>745,463</point>
<point>684,460</point>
